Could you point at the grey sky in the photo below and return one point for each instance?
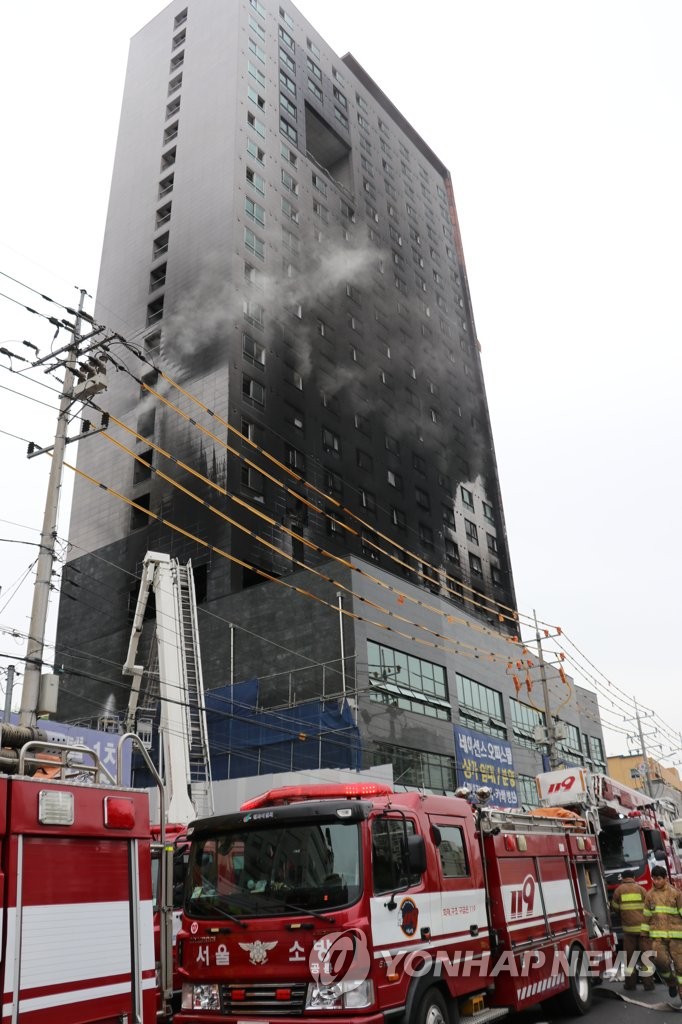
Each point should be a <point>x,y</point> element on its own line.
<point>559,123</point>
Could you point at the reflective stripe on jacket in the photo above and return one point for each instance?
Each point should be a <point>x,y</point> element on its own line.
<point>663,913</point>
<point>628,901</point>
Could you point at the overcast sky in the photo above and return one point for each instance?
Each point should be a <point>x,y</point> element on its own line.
<point>559,122</point>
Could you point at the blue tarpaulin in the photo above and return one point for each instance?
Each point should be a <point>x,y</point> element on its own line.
<point>247,740</point>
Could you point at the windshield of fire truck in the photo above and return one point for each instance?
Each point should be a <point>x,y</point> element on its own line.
<point>275,869</point>
<point>621,847</point>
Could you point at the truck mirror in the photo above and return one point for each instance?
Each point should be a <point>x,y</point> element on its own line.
<point>416,854</point>
<point>659,855</point>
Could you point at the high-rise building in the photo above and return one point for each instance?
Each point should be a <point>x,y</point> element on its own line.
<point>283,259</point>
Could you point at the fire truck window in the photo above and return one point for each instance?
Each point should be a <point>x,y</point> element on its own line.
<point>453,860</point>
<point>389,855</point>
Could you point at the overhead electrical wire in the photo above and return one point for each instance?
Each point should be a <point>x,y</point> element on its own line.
<point>283,467</point>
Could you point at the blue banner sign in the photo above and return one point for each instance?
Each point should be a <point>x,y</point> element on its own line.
<point>484,760</point>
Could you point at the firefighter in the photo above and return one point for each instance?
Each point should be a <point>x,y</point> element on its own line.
<point>628,902</point>
<point>663,924</point>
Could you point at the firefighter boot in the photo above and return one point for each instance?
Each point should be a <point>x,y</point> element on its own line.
<point>630,982</point>
<point>672,990</point>
<point>648,984</point>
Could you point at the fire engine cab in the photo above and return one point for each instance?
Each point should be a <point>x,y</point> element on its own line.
<point>357,903</point>
<point>626,821</point>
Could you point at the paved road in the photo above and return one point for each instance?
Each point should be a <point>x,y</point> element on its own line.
<point>609,1007</point>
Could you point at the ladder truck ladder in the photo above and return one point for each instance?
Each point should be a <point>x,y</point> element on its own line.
<point>184,752</point>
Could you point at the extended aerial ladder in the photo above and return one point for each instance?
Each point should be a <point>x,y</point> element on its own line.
<point>183,746</point>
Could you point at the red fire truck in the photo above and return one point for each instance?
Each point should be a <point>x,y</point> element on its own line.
<point>626,821</point>
<point>77,940</point>
<point>357,903</point>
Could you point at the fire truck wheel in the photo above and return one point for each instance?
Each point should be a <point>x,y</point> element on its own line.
<point>577,998</point>
<point>432,1009</point>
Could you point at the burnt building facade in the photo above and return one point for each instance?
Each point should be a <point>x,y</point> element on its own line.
<point>295,373</point>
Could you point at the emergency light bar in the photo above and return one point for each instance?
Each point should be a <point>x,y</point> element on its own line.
<point>326,791</point>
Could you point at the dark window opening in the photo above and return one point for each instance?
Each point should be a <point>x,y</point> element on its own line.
<point>138,516</point>
<point>140,470</point>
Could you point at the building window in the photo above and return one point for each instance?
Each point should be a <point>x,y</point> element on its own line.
<point>488,512</point>
<point>168,159</point>
<point>253,351</point>
<point>467,498</point>
<point>287,105</point>
<point>256,50</point>
<point>368,502</point>
<point>139,516</point>
<point>449,516</point>
<point>163,215</point>
<point>157,278</point>
<point>255,151</point>
<point>254,210</point>
<point>364,461</point>
<point>287,60</point>
<point>256,73</point>
<point>492,543</point>
<point>475,564</point>
<point>332,482</point>
<point>394,480</point>
<point>288,130</point>
<point>253,482</point>
<point>256,180</point>
<point>331,442</point>
<point>286,18</point>
<point>392,445</point>
<point>314,88</point>
<point>254,244</point>
<point>471,531</point>
<point>166,185</point>
<point>180,19</point>
<point>254,123</point>
<point>253,390</point>
<point>177,61</point>
<point>426,535</point>
<point>398,518</point>
<point>451,551</point>
<point>173,107</point>
<point>528,791</point>
<point>525,720</point>
<point>416,767</point>
<point>295,458</point>
<point>142,469</point>
<point>289,183</point>
<point>155,311</point>
<point>319,184</point>
<point>341,118</point>
<point>289,211</point>
<point>313,69</point>
<point>480,707</point>
<point>321,211</point>
<point>404,681</point>
<point>422,498</point>
<point>175,84</point>
<point>286,38</point>
<point>170,133</point>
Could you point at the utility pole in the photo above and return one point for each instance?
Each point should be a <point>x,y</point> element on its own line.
<point>549,718</point>
<point>645,759</point>
<point>30,694</point>
<point>8,694</point>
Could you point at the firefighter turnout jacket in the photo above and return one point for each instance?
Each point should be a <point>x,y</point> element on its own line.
<point>628,901</point>
<point>663,913</point>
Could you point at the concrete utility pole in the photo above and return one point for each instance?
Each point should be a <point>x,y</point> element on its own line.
<point>30,694</point>
<point>8,693</point>
<point>549,718</point>
<point>645,759</point>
